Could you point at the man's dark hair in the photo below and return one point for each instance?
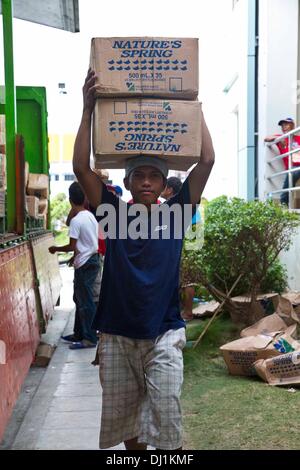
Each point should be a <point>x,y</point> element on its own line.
<point>76,194</point>
<point>174,183</point>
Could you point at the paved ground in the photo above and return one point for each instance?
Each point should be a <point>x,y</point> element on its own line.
<point>59,407</point>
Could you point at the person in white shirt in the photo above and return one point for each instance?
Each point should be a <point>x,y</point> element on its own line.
<point>83,233</point>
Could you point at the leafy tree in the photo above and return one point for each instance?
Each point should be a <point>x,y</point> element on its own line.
<point>241,239</point>
<point>60,208</point>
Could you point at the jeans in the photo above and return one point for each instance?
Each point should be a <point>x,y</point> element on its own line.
<point>77,329</point>
<point>84,278</point>
<point>284,198</point>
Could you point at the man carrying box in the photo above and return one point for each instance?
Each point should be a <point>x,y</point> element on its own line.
<point>142,332</point>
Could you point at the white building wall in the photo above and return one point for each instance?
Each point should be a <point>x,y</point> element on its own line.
<point>240,96</point>
<point>61,185</point>
<point>291,260</point>
<point>277,77</point>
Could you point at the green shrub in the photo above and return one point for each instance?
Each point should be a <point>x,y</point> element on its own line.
<point>59,209</point>
<point>244,238</point>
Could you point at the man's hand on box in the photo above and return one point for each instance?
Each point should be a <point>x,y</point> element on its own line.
<point>52,249</point>
<point>89,90</point>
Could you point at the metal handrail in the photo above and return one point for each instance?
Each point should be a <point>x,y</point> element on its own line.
<point>284,136</point>
<point>291,169</point>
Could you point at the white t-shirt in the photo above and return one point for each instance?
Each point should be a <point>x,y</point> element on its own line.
<point>84,228</point>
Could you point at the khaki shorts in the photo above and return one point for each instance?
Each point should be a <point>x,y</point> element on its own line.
<point>141,382</point>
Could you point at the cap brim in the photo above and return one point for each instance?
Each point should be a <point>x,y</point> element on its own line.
<point>283,121</point>
<point>143,160</point>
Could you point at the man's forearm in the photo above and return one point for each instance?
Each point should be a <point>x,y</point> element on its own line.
<point>64,248</point>
<point>207,150</point>
<point>199,175</point>
<point>82,147</point>
<point>269,139</point>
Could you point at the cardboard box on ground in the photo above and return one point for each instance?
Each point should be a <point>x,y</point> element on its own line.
<point>43,355</point>
<point>246,313</point>
<point>272,336</point>
<point>135,66</point>
<point>240,355</point>
<point>128,128</point>
<point>281,370</point>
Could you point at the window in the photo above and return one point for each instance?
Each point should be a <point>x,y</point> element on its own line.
<point>69,177</point>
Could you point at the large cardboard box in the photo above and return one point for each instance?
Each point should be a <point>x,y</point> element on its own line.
<point>247,313</point>
<point>32,205</point>
<point>281,370</point>
<point>240,355</point>
<point>289,308</point>
<point>128,128</point>
<point>265,326</point>
<point>38,185</point>
<point>160,67</point>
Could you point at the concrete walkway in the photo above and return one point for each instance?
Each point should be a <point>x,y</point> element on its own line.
<point>65,410</point>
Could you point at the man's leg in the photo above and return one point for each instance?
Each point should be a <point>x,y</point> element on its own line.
<point>123,390</point>
<point>296,177</point>
<point>84,279</point>
<point>188,296</point>
<point>161,420</point>
<point>284,197</point>
<point>77,334</point>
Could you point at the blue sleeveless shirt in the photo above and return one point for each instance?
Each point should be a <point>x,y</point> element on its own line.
<point>139,295</point>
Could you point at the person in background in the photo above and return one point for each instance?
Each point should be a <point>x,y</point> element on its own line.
<point>172,188</point>
<point>77,334</point>
<point>287,125</point>
<point>83,233</point>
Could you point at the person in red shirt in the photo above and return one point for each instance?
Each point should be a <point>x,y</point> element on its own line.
<point>287,125</point>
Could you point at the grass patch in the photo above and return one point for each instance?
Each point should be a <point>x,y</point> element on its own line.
<point>226,412</point>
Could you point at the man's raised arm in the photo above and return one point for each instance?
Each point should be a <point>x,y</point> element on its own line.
<point>199,175</point>
<point>89,181</point>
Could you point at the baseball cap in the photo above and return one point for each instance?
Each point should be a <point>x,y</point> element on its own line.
<point>146,160</point>
<point>286,120</point>
<point>115,189</point>
<point>118,190</point>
